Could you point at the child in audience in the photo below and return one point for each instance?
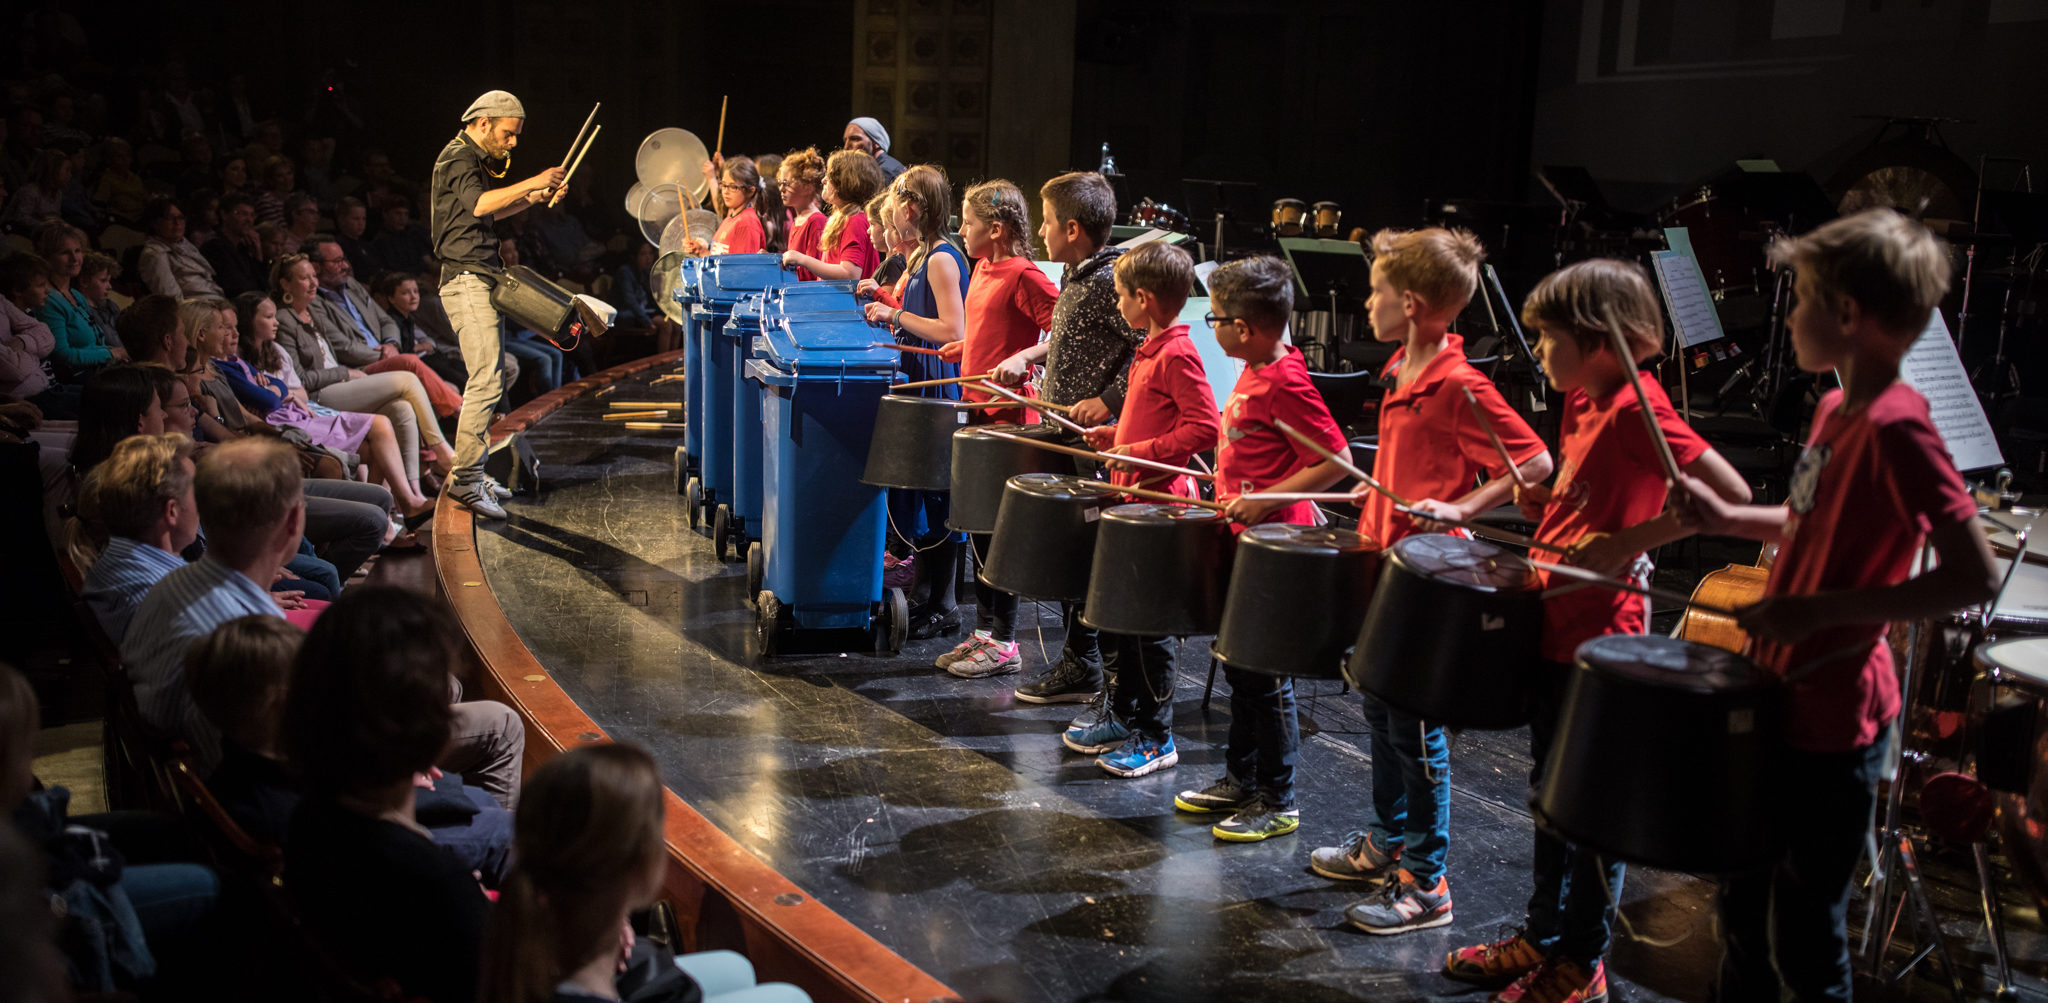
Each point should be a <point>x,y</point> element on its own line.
<point>1169,415</point>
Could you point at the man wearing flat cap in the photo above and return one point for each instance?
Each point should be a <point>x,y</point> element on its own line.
<point>464,204</point>
<point>867,135</point>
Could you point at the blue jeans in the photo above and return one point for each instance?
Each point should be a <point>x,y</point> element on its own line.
<point>1411,788</point>
<point>1571,907</point>
<point>1265,736</point>
<point>307,566</point>
<point>484,843</point>
<point>171,900</point>
<point>1141,693</point>
<point>536,356</point>
<point>1787,926</point>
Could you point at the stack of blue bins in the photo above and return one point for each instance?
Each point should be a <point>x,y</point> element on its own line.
<point>820,380</point>
<point>691,452</point>
<point>722,281</point>
<point>741,515</point>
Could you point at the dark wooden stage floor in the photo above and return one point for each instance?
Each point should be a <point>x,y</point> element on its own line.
<point>947,820</point>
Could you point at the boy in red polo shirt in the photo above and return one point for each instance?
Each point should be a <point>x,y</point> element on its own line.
<point>1606,511</point>
<point>1169,416</point>
<point>1009,302</point>
<point>1252,300</point>
<point>1875,481</point>
<point>1432,451</point>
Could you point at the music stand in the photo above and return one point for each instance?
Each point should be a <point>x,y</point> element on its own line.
<point>1334,271</point>
<point>1219,203</point>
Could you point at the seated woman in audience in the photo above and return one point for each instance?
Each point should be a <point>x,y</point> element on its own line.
<point>310,337</point>
<point>62,247</point>
<point>117,402</point>
<point>41,199</point>
<point>590,852</point>
<point>239,675</point>
<point>26,343</point>
<point>232,176</point>
<point>264,381</point>
<point>368,711</point>
<point>170,264</point>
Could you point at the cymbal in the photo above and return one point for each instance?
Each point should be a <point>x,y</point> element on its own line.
<point>634,195</point>
<point>665,275</point>
<point>674,156</point>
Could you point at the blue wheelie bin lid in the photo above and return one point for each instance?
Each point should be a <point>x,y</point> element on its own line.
<point>810,297</point>
<point>828,344</point>
<point>727,277</point>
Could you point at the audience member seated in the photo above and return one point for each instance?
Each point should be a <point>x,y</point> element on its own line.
<point>96,283</point>
<point>333,368</point>
<point>150,332</point>
<point>26,343</point>
<point>270,237</point>
<point>351,230</point>
<point>367,713</point>
<point>239,676</point>
<point>66,308</point>
<point>402,244</point>
<point>119,191</point>
<point>41,198</point>
<point>202,216</point>
<point>636,304</point>
<point>301,222</point>
<point>140,499</point>
<point>359,316</point>
<point>279,181</point>
<point>195,163</point>
<point>590,851</point>
<point>231,177</point>
<point>170,265</point>
<point>236,252</point>
<point>253,508</point>
<point>537,356</point>
<point>116,402</point>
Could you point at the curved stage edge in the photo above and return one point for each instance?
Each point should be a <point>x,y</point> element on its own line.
<point>724,896</point>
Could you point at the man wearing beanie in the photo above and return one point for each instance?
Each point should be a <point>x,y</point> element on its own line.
<point>867,135</point>
<point>464,204</point>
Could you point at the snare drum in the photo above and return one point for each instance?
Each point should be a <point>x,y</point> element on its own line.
<point>1287,217</point>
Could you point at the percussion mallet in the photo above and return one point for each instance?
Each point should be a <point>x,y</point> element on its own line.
<point>1653,592</point>
<point>1161,496</point>
<point>1058,419</point>
<point>948,381</point>
<point>1089,454</point>
<point>719,146</point>
<point>1342,464</point>
<point>1627,360</point>
<point>563,188</point>
<point>1403,506</point>
<point>911,349</point>
<point>1499,446</point>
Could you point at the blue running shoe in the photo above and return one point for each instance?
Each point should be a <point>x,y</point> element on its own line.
<point>1097,737</point>
<point>1139,756</point>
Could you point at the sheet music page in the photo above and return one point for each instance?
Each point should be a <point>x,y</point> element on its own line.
<point>1686,297</point>
<point>1933,368</point>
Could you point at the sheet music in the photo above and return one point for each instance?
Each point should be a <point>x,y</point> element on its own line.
<point>1686,297</point>
<point>1933,368</point>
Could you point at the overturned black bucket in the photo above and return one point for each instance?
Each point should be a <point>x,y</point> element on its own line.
<point>913,443</point>
<point>1452,634</point>
<point>1159,570</point>
<point>1298,595</point>
<point>983,464</point>
<point>1044,540</point>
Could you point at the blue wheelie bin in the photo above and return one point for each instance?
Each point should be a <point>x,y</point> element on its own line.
<point>749,318</point>
<point>692,450</point>
<point>821,528</point>
<point>722,281</point>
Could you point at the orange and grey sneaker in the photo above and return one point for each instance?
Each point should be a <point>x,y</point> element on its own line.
<point>1358,858</point>
<point>1495,964</point>
<point>1558,980</point>
<point>1402,905</point>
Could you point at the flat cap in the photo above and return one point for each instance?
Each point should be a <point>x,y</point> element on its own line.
<point>495,104</point>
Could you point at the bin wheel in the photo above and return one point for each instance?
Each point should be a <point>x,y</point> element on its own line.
<point>693,497</point>
<point>721,533</point>
<point>767,621</point>
<point>757,569</point>
<point>899,620</point>
<point>682,471</point>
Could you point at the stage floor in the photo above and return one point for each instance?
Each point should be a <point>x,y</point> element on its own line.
<point>947,820</point>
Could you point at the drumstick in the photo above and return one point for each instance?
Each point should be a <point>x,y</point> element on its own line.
<point>641,404</point>
<point>631,415</point>
<point>949,381</point>
<point>1296,496</point>
<point>1089,454</point>
<point>912,349</point>
<point>1627,360</point>
<point>1042,408</point>
<point>579,133</point>
<point>564,186</point>
<point>656,426</point>
<point>719,146</point>
<point>987,405</point>
<point>1484,531</point>
<point>1342,464</point>
<point>1161,496</point>
<point>1595,578</point>
<point>1513,471</point>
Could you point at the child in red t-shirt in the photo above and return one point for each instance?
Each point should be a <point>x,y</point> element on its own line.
<point>1874,482</point>
<point>744,230</point>
<point>1433,451</point>
<point>847,246</point>
<point>1169,415</point>
<point>798,178</point>
<point>1606,511</point>
<point>1251,302</point>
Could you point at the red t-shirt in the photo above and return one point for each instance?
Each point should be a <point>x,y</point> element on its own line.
<point>804,236</point>
<point>741,233</point>
<point>1009,302</point>
<point>1252,454</point>
<point>1169,411</point>
<point>1864,495</point>
<point>854,244</point>
<point>1609,478</point>
<point>1430,445</point>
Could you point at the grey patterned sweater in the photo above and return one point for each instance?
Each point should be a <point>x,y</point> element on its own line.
<point>1089,346</point>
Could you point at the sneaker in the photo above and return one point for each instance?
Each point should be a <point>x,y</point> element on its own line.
<point>1223,795</point>
<point>961,650</point>
<point>1138,757</point>
<point>926,624</point>
<point>1495,964</point>
<point>477,498</point>
<point>502,492</point>
<point>1401,905</point>
<point>1095,713</point>
<point>1358,858</point>
<point>1096,738</point>
<point>991,658</point>
<point>1067,681</point>
<point>1557,980</point>
<point>1256,821</point>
